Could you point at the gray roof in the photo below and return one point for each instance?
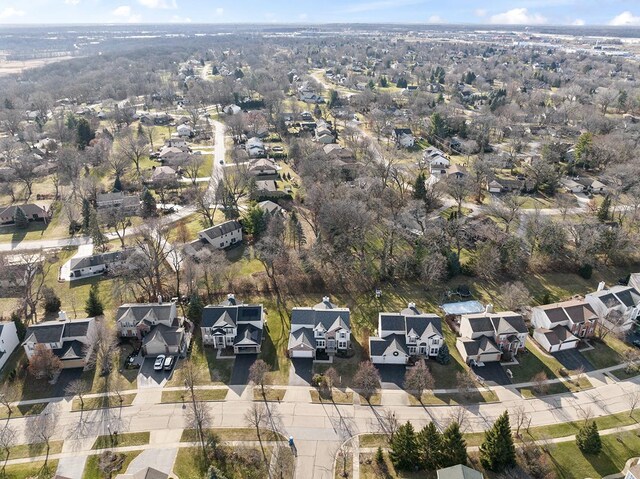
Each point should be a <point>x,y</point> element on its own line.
<point>70,350</point>
<point>387,346</point>
<point>479,323</point>
<point>221,229</point>
<point>48,332</point>
<point>483,345</point>
<point>98,259</point>
<point>302,339</point>
<point>391,322</point>
<point>578,311</point>
<point>509,324</point>
<point>139,311</point>
<point>149,473</point>
<point>248,335</point>
<point>459,472</point>
<point>424,325</point>
<point>28,209</point>
<point>557,335</point>
<point>169,335</point>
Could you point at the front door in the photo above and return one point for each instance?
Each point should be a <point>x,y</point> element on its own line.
<point>219,341</point>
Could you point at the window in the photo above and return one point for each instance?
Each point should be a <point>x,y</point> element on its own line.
<point>435,341</point>
<point>412,350</point>
<point>221,245</point>
<point>320,343</point>
<point>342,345</point>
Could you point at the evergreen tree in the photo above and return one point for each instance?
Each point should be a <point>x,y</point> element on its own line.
<point>498,452</point>
<point>86,214</point>
<point>84,133</point>
<point>588,439</point>
<point>215,71</point>
<point>50,300</point>
<point>20,219</point>
<point>443,356</point>
<point>194,310</point>
<point>454,446</point>
<point>430,447</point>
<point>296,232</point>
<point>99,239</point>
<point>148,204</point>
<point>255,221</point>
<point>384,83</point>
<point>117,184</point>
<point>402,82</point>
<point>583,147</point>
<point>603,211</point>
<point>21,329</point>
<point>419,187</point>
<point>404,448</point>
<point>93,306</point>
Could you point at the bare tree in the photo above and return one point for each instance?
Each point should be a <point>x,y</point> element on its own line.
<point>43,363</point>
<point>331,378</point>
<point>419,378</point>
<point>633,400</point>
<point>257,417</point>
<point>459,189</point>
<point>460,416</point>
<point>9,395</point>
<point>117,219</point>
<point>465,382</point>
<point>507,209</point>
<point>540,383</point>
<point>197,413</point>
<point>37,268</point>
<point>515,296</point>
<point>8,438</point>
<point>192,167</point>
<point>42,427</point>
<point>367,379</point>
<point>101,347</point>
<point>258,373</point>
<point>133,146</point>
<point>206,205</point>
<point>520,418</point>
<point>148,260</point>
<point>78,387</point>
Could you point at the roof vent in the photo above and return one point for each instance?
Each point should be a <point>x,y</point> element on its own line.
<point>412,306</point>
<point>231,296</point>
<point>601,285</point>
<point>62,316</point>
<point>488,308</point>
<point>159,299</point>
<point>325,299</point>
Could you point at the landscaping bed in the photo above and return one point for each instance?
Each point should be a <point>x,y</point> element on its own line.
<point>103,402</point>
<point>337,397</point>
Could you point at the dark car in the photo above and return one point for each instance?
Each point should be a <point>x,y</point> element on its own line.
<point>636,343</point>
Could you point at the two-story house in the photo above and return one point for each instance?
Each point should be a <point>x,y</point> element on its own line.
<point>617,308</point>
<point>223,235</point>
<point>8,340</point>
<point>405,334</point>
<point>69,340</point>
<point>157,325</point>
<point>321,328</point>
<point>486,337</point>
<point>232,324</point>
<point>561,326</point>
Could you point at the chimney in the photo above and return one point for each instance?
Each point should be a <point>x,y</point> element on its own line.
<point>412,306</point>
<point>159,299</point>
<point>601,285</point>
<point>231,296</point>
<point>325,299</point>
<point>488,308</point>
<point>62,316</point>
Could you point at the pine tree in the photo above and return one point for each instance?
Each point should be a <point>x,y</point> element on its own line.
<point>86,214</point>
<point>454,446</point>
<point>20,219</point>
<point>148,204</point>
<point>404,448</point>
<point>255,221</point>
<point>419,187</point>
<point>588,439</point>
<point>194,310</point>
<point>498,452</point>
<point>117,184</point>
<point>430,447</point>
<point>603,211</point>
<point>94,306</point>
<point>21,329</point>
<point>99,239</point>
<point>84,133</point>
<point>443,356</point>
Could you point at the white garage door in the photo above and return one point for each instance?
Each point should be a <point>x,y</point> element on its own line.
<point>570,345</point>
<point>301,354</point>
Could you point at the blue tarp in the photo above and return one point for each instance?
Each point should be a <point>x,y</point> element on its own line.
<point>463,307</point>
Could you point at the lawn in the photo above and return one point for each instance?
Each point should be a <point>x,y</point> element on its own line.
<point>344,464</point>
<point>23,410</point>
<point>337,397</point>
<point>103,402</point>
<point>570,463</point>
<point>92,469</point>
<point>570,428</point>
<point>123,440</point>
<point>210,369</point>
<point>607,353</point>
<point>232,434</point>
<point>33,469</point>
<point>374,400</point>
<point>557,388</point>
<point>246,463</point>
<point>370,469</point>
<point>533,361</point>
<point>201,395</point>
<point>270,394</point>
<point>622,373</point>
<point>453,399</point>
<point>32,450</point>
<point>373,440</point>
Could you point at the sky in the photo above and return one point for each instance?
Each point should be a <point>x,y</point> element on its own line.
<point>514,12</point>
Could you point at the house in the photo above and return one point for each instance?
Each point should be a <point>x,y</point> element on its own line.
<point>184,131</point>
<point>404,137</point>
<point>561,326</point>
<point>263,167</point>
<point>177,143</point>
<point>572,186</point>
<point>223,235</point>
<point>233,324</point>
<point>117,200</point>
<point>31,211</point>
<point>15,275</point>
<point>323,327</point>
<point>405,334</point>
<point>323,133</point>
<point>459,472</point>
<point>97,264</point>
<point>457,171</point>
<point>494,187</point>
<point>593,186</point>
<point>268,189</point>
<point>485,337</point>
<point>163,173</point>
<point>254,147</point>
<point>146,473</point>
<point>617,307</point>
<point>69,340</point>
<point>8,341</point>
<point>271,208</point>
<point>157,325</point>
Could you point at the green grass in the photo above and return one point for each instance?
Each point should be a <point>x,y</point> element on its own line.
<point>23,410</point>
<point>622,374</point>
<point>453,399</point>
<point>337,397</point>
<point>369,469</point>
<point>124,440</point>
<point>269,394</point>
<point>210,369</point>
<point>571,428</point>
<point>571,463</point>
<point>25,471</point>
<point>32,450</point>
<point>606,353</point>
<point>373,440</point>
<point>201,395</point>
<point>374,400</point>
<point>232,434</point>
<point>532,361</point>
<point>189,464</point>
<point>103,402</point>
<point>557,388</point>
<point>92,466</point>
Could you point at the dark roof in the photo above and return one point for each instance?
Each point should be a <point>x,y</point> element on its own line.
<point>429,323</point>
<point>162,311</point>
<point>402,131</point>
<point>76,329</point>
<point>391,322</point>
<point>248,335</point>
<point>221,229</point>
<point>49,332</point>
<point>98,259</point>
<point>628,296</point>
<point>28,209</point>
<point>474,347</point>
<point>509,324</point>
<point>302,339</point>
<point>170,335</point>
<point>70,351</point>
<point>218,316</point>
<point>479,323</point>
<point>381,346</point>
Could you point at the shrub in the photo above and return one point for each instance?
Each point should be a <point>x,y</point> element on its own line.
<point>50,300</point>
<point>585,271</point>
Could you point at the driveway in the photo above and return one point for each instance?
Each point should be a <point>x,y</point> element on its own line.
<point>149,378</point>
<point>391,375</point>
<point>572,359</point>
<point>493,372</point>
<point>160,459</point>
<point>241,365</point>
<point>300,372</point>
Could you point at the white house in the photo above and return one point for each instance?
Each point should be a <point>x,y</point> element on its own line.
<point>324,327</point>
<point>233,325</point>
<point>617,307</point>
<point>254,147</point>
<point>97,264</point>
<point>8,341</point>
<point>409,333</point>
<point>117,200</point>
<point>69,340</point>
<point>232,109</point>
<point>485,337</point>
<point>404,137</point>
<point>561,326</point>
<point>184,131</point>
<point>223,235</point>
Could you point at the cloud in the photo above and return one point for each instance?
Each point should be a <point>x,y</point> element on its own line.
<point>71,2</point>
<point>179,19</point>
<point>219,11</point>
<point>625,18</point>
<point>435,19</point>
<point>480,12</point>
<point>578,22</point>
<point>122,11</point>
<point>11,12</point>
<point>518,16</point>
<point>161,4</point>
<point>379,5</point>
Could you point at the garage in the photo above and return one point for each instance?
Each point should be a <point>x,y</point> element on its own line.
<point>301,354</point>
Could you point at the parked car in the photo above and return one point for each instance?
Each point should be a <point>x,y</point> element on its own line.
<point>159,364</point>
<point>636,343</point>
<point>168,363</point>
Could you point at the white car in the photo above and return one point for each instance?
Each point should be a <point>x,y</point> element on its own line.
<point>159,364</point>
